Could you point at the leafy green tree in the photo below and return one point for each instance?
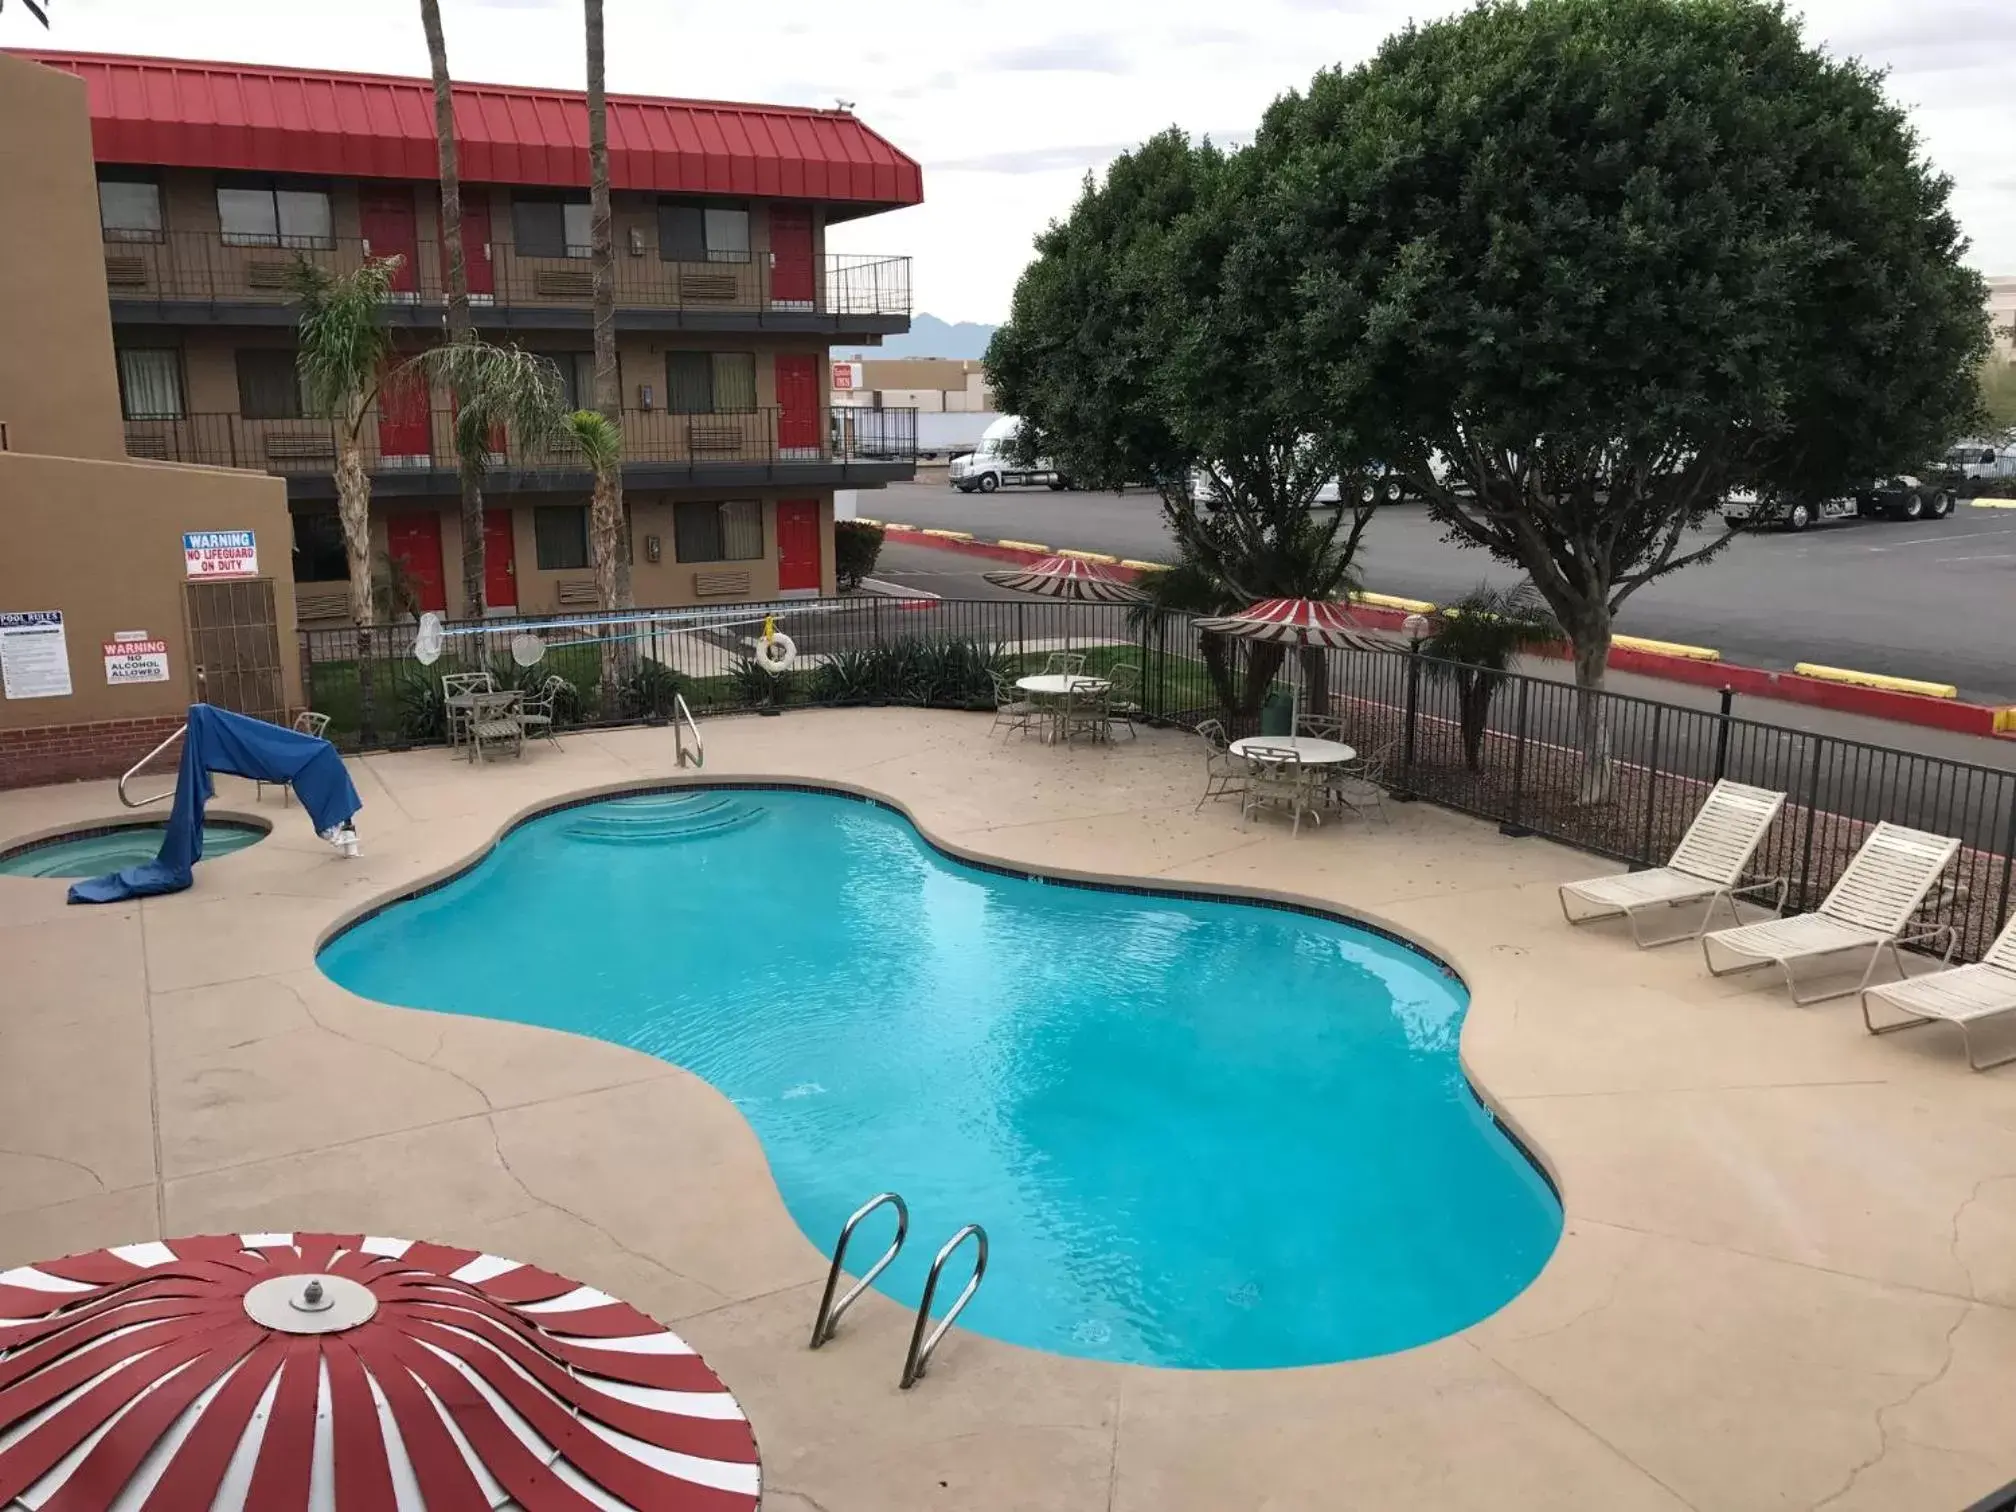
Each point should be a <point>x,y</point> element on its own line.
<point>1578,268</point>
<point>502,393</point>
<point>1151,341</point>
<point>1473,644</point>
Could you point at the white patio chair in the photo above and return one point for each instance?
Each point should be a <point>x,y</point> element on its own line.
<point>1867,909</point>
<point>1224,773</point>
<point>1963,995</point>
<point>456,687</point>
<point>1123,698</point>
<point>537,711</point>
<point>1708,863</point>
<point>1277,778</point>
<point>1360,785</point>
<point>1013,709</point>
<point>307,722</point>
<point>1086,712</point>
<point>1066,663</point>
<point>493,721</point>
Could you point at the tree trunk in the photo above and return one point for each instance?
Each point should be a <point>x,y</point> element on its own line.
<point>1217,654</point>
<point>1315,681</point>
<point>605,521</point>
<point>460,326</point>
<point>353,512</point>
<point>1263,660</point>
<point>1474,691</point>
<point>1590,638</point>
<point>612,578</point>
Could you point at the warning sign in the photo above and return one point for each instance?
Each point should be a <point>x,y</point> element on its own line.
<point>220,553</point>
<point>135,661</point>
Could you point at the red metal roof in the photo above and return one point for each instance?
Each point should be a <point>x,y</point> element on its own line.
<point>175,113</point>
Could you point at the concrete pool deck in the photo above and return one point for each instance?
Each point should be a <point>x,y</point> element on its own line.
<point>1787,1278</point>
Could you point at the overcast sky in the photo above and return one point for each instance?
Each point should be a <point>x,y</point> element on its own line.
<point>1007,105</point>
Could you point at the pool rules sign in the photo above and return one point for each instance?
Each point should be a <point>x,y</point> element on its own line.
<point>135,659</point>
<point>220,553</point>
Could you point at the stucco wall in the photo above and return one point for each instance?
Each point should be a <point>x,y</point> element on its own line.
<point>102,542</point>
<point>59,390</point>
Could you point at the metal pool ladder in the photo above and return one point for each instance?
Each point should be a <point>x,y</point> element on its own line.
<point>134,771</point>
<point>829,1311</point>
<point>921,1348</point>
<point>682,721</point>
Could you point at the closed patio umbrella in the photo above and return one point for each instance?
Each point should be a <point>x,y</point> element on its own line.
<point>290,1372</point>
<point>1295,622</point>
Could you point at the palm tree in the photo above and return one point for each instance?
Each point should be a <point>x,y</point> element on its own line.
<point>1472,647</point>
<point>498,388</point>
<point>461,329</point>
<point>345,344</point>
<point>607,537</point>
<point>1189,588</point>
<point>600,442</point>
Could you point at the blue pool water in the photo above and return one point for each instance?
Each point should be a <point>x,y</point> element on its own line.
<point>1204,1134</point>
<point>115,849</point>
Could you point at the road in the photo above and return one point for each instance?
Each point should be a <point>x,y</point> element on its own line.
<point>1933,600</point>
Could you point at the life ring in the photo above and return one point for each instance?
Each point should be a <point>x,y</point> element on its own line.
<point>776,652</point>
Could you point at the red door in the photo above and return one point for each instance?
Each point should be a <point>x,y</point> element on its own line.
<point>797,403</point>
<point>791,280</point>
<point>476,264</point>
<point>798,555</point>
<point>500,566</point>
<point>405,436</point>
<point>385,216</point>
<point>414,541</point>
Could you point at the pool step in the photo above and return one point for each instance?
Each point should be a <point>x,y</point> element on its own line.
<point>656,818</point>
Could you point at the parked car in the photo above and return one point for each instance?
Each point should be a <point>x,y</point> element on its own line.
<point>992,465</point>
<point>1898,498</point>
<point>1974,462</point>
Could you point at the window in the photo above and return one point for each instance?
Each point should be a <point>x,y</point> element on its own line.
<point>273,213</point>
<point>560,532</point>
<point>577,379</point>
<point>689,231</point>
<point>551,226</point>
<point>269,385</point>
<point>129,209</point>
<point>150,383</point>
<point>709,383</point>
<point>731,532</point>
<point>319,556</point>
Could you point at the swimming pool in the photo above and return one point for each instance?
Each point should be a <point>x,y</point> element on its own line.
<point>1199,1133</point>
<point>96,852</point>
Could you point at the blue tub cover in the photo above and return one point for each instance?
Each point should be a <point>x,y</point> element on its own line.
<point>220,741</point>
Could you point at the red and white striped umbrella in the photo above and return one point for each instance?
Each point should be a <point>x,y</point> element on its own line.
<point>329,1372</point>
<point>1067,578</point>
<point>1297,622</point>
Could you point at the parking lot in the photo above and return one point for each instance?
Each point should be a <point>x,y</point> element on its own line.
<point>1932,600</point>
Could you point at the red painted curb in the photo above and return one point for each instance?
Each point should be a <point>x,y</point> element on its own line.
<point>1757,682</point>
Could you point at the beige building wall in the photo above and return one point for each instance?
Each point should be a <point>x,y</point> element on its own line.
<point>59,389</point>
<point>2002,313</point>
<point>102,542</point>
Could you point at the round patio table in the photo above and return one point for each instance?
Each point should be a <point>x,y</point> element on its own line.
<point>1057,684</point>
<point>1310,750</point>
<point>284,1372</point>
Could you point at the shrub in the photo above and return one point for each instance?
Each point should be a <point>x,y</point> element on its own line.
<point>757,687</point>
<point>647,690</point>
<point>856,546</point>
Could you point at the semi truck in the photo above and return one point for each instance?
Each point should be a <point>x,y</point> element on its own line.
<point>1897,498</point>
<point>992,464</point>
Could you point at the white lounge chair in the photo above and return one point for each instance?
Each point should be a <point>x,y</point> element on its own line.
<point>1963,995</point>
<point>1867,909</point>
<point>1708,863</point>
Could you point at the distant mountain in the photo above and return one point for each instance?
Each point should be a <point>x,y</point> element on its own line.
<point>929,336</point>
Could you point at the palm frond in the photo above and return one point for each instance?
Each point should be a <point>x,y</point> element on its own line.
<point>496,388</point>
<point>1487,629</point>
<point>598,438</point>
<point>344,336</point>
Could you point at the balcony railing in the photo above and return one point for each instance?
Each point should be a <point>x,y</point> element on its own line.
<point>426,444</point>
<point>203,267</point>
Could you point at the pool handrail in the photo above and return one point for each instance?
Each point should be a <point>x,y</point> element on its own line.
<point>682,720</point>
<point>830,1311</point>
<point>134,770</point>
<point>920,1347</point>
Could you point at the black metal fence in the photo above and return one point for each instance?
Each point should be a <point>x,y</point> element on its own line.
<point>1522,764</point>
